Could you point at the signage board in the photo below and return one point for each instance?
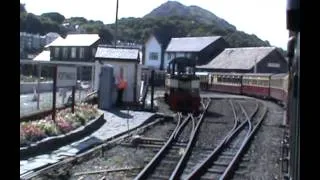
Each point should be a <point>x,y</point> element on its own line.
<point>274,65</point>
<point>66,76</point>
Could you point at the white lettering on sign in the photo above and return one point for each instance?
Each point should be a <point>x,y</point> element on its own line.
<point>274,65</point>
<point>66,76</point>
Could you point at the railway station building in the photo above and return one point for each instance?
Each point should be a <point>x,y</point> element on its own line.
<point>203,49</point>
<point>247,60</point>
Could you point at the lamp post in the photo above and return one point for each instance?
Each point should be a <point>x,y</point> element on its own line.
<point>116,33</point>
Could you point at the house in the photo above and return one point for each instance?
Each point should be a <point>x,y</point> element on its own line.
<point>203,49</point>
<point>248,60</point>
<point>128,60</point>
<point>154,49</point>
<point>75,47</point>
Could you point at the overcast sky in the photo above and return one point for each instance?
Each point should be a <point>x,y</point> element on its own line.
<point>264,18</point>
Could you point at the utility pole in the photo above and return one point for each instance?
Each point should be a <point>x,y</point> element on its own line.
<point>116,33</point>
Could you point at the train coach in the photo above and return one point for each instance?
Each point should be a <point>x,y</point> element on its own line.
<point>256,85</point>
<point>267,86</point>
<point>223,82</point>
<point>279,88</point>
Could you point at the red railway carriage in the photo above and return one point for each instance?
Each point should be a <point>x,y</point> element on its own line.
<point>203,79</point>
<point>256,85</point>
<point>223,82</point>
<point>279,87</point>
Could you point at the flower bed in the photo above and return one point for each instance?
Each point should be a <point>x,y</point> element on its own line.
<point>33,131</point>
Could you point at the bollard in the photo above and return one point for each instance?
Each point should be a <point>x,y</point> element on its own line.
<point>128,117</point>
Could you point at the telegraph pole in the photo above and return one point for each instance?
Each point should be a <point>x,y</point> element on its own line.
<point>116,33</point>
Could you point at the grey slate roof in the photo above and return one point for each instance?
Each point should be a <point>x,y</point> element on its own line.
<point>190,44</point>
<point>43,56</point>
<point>238,58</point>
<point>117,53</point>
<point>76,40</point>
<point>53,34</point>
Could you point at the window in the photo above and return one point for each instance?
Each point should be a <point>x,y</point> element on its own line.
<point>94,51</point>
<point>274,65</point>
<point>169,56</point>
<point>56,52</point>
<point>81,53</point>
<point>153,56</point>
<point>73,52</point>
<point>65,52</point>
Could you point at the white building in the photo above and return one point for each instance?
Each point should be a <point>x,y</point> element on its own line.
<point>154,51</point>
<point>128,60</point>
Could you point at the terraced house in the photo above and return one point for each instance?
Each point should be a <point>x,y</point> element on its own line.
<point>78,48</point>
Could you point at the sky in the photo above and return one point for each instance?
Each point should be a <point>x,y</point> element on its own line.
<point>264,18</point>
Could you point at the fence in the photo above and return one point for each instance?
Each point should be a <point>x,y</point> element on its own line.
<point>159,77</point>
<point>36,85</point>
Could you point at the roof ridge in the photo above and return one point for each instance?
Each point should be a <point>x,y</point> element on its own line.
<point>195,37</point>
<point>261,47</point>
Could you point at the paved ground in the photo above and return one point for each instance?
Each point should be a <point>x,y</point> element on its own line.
<point>116,122</point>
<point>28,106</point>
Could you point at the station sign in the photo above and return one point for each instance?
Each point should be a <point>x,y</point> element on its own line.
<point>66,76</point>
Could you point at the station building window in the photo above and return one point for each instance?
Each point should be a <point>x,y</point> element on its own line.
<point>56,52</point>
<point>81,53</point>
<point>65,52</point>
<point>154,56</point>
<point>73,52</point>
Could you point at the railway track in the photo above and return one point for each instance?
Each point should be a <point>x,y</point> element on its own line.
<point>222,162</point>
<point>167,163</point>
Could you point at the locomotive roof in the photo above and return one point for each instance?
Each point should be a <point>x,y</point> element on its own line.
<point>184,61</point>
<point>257,74</point>
<point>282,75</point>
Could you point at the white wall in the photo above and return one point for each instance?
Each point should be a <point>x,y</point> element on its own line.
<point>152,45</point>
<point>129,75</point>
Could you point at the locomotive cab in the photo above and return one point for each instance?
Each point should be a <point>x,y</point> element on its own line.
<point>182,85</point>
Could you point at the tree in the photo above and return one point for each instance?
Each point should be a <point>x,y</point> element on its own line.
<point>33,24</point>
<point>22,8</point>
<point>54,16</point>
<point>105,35</point>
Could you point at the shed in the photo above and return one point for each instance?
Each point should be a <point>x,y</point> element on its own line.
<point>125,58</point>
<point>248,60</point>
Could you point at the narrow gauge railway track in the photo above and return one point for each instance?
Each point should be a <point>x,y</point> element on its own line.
<point>166,163</point>
<point>222,162</point>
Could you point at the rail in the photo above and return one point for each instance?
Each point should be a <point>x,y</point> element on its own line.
<point>237,129</point>
<point>182,162</point>
<point>152,164</point>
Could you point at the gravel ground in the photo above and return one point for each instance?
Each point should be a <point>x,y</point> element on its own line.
<point>262,158</point>
<point>124,156</point>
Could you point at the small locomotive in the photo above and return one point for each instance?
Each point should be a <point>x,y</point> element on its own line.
<point>182,86</point>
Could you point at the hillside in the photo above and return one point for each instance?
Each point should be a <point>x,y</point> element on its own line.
<point>171,19</point>
<point>173,8</point>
